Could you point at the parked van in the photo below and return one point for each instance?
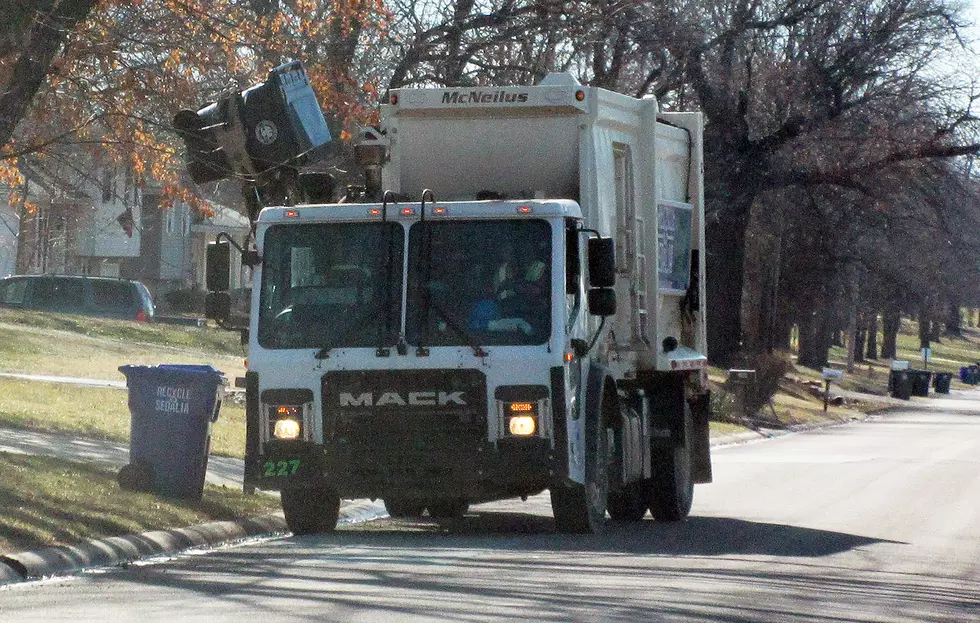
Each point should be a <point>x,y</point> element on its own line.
<point>90,296</point>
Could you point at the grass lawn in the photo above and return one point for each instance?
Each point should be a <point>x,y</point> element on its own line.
<point>98,413</point>
<point>64,345</point>
<point>46,501</point>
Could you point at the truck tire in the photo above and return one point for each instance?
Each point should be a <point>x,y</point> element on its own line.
<point>581,509</point>
<point>310,510</point>
<point>628,503</point>
<point>403,508</point>
<point>671,488</point>
<point>448,508</point>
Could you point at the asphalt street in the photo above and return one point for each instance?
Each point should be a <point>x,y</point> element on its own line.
<point>871,521</point>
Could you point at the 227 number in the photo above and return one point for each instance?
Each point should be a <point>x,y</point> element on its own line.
<point>280,468</point>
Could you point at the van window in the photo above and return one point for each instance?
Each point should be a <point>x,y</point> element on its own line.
<point>113,296</point>
<point>59,295</point>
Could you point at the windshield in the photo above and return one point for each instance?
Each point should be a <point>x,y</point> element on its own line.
<point>326,285</point>
<point>484,283</point>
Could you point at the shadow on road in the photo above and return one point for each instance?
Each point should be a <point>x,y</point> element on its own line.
<point>697,536</point>
<point>494,566</point>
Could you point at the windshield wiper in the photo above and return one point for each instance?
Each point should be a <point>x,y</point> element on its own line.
<point>324,351</point>
<point>460,331</point>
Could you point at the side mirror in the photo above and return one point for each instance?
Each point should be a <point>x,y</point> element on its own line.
<point>217,306</point>
<point>218,266</point>
<point>602,301</point>
<point>602,263</point>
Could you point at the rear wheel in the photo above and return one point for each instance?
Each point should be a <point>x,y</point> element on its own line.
<point>401,508</point>
<point>448,508</point>
<point>671,490</point>
<point>310,510</point>
<point>628,503</point>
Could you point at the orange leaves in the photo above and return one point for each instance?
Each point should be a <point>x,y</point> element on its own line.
<point>134,63</point>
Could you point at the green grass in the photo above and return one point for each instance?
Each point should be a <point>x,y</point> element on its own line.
<point>203,338</point>
<point>97,413</point>
<point>46,501</point>
<point>63,345</point>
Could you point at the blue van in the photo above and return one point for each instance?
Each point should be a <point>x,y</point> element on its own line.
<point>89,296</point>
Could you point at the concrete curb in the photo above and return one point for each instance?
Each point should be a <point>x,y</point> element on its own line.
<point>113,551</point>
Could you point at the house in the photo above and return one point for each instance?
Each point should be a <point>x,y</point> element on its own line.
<point>102,224</point>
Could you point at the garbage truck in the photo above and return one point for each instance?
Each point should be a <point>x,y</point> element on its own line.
<point>513,303</point>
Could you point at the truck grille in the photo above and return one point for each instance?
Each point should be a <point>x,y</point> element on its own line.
<point>394,413</point>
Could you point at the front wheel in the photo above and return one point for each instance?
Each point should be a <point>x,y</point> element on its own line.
<point>402,508</point>
<point>581,508</point>
<point>310,510</point>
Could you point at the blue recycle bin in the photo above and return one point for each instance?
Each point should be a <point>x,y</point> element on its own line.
<point>172,408</point>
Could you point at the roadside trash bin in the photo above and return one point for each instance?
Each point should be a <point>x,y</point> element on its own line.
<point>899,384</point>
<point>920,382</point>
<point>964,374</point>
<point>172,408</point>
<point>973,375</point>
<point>941,382</point>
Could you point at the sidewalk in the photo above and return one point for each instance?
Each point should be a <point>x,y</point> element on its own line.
<point>222,470</point>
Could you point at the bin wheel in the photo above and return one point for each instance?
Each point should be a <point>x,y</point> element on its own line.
<point>403,508</point>
<point>135,477</point>
<point>310,510</point>
<point>448,508</point>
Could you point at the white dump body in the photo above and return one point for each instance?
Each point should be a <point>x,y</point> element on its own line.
<point>635,172</point>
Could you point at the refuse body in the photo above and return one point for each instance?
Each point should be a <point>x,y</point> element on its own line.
<point>172,409</point>
<point>920,382</point>
<point>900,384</point>
<point>941,382</point>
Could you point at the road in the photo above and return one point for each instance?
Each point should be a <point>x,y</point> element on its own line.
<point>873,521</point>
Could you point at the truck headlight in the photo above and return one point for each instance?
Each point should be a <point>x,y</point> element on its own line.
<point>287,429</point>
<point>522,418</point>
<point>522,425</point>
<point>287,422</point>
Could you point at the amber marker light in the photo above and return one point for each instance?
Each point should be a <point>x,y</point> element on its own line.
<point>580,96</point>
<point>394,98</point>
<point>569,357</point>
<point>521,407</point>
<point>439,210</point>
<point>522,425</point>
<point>408,211</point>
<point>374,212</point>
<point>524,209</point>
<point>291,213</point>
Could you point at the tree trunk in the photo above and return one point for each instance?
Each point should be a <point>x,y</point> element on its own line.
<point>860,340</point>
<point>925,329</point>
<point>871,327</point>
<point>48,34</point>
<point>953,320</point>
<point>725,240</point>
<point>891,322</point>
<point>853,293</point>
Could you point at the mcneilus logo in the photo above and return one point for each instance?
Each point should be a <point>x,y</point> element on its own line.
<point>483,97</point>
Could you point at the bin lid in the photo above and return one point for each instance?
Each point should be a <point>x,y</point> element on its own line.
<point>203,370</point>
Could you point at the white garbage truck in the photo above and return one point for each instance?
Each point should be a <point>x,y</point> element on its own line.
<point>514,304</point>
